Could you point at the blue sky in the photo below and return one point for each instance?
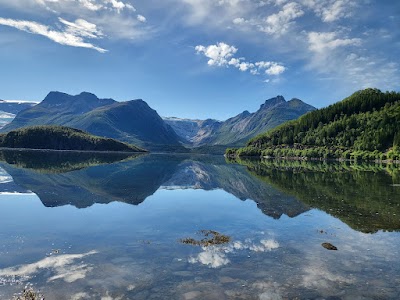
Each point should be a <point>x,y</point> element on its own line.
<point>199,58</point>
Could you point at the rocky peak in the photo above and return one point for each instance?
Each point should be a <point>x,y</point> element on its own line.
<point>272,102</point>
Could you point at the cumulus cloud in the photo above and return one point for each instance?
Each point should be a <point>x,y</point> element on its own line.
<point>141,18</point>
<point>119,5</point>
<point>222,55</point>
<point>74,33</point>
<point>62,265</point>
<point>279,23</point>
<point>218,54</point>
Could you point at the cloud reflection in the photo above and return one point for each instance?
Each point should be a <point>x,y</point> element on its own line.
<point>62,265</point>
<point>216,256</point>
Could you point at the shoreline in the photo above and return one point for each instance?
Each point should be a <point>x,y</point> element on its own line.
<point>70,151</point>
<point>301,158</point>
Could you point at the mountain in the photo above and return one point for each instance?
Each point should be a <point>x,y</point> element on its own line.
<point>130,121</point>
<point>365,125</point>
<point>14,107</point>
<point>61,138</point>
<point>5,118</point>
<point>237,130</point>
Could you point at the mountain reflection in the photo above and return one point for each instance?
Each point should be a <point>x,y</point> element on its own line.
<point>60,161</point>
<point>366,198</point>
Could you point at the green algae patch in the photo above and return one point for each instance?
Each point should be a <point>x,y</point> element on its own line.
<point>210,238</point>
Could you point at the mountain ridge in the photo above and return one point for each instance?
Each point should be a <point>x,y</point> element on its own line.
<point>364,125</point>
<point>128,121</point>
<point>238,129</point>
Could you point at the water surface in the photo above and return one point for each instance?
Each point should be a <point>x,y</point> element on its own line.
<point>90,228</point>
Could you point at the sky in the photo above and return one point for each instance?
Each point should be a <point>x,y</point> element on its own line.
<point>199,58</point>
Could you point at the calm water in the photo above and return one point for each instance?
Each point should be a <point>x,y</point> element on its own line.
<point>84,227</point>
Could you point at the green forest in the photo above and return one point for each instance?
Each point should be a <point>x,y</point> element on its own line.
<point>61,138</point>
<point>365,125</point>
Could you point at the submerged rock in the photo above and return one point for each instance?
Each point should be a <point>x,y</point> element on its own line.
<point>329,246</point>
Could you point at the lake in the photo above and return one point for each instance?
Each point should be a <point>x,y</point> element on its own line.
<point>85,226</point>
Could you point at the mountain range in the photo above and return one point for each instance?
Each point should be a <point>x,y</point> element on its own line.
<point>236,131</point>
<point>136,123</point>
<point>15,106</point>
<point>129,121</point>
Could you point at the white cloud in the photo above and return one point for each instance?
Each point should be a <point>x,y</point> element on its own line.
<point>82,28</point>
<point>74,33</point>
<point>221,55</point>
<point>119,5</point>
<point>93,5</point>
<point>117,19</point>
<point>218,54</point>
<point>325,41</point>
<point>141,18</point>
<point>331,10</point>
<point>275,69</point>
<point>365,71</point>
<point>279,23</point>
<point>356,69</point>
<point>239,21</point>
<point>214,12</point>
<point>62,265</point>
<point>90,5</point>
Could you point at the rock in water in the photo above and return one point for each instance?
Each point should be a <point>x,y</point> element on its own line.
<point>329,246</point>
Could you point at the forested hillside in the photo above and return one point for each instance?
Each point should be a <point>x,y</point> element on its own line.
<point>365,125</point>
<point>61,138</point>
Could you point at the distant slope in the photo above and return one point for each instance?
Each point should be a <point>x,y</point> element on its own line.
<point>237,130</point>
<point>5,118</point>
<point>61,138</point>
<point>57,109</point>
<point>131,121</point>
<point>364,125</point>
<point>15,107</point>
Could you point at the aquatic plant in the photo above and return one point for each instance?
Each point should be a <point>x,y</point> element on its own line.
<point>211,237</point>
<point>29,294</point>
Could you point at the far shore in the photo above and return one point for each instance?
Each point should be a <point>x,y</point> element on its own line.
<point>71,151</point>
<point>301,158</point>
